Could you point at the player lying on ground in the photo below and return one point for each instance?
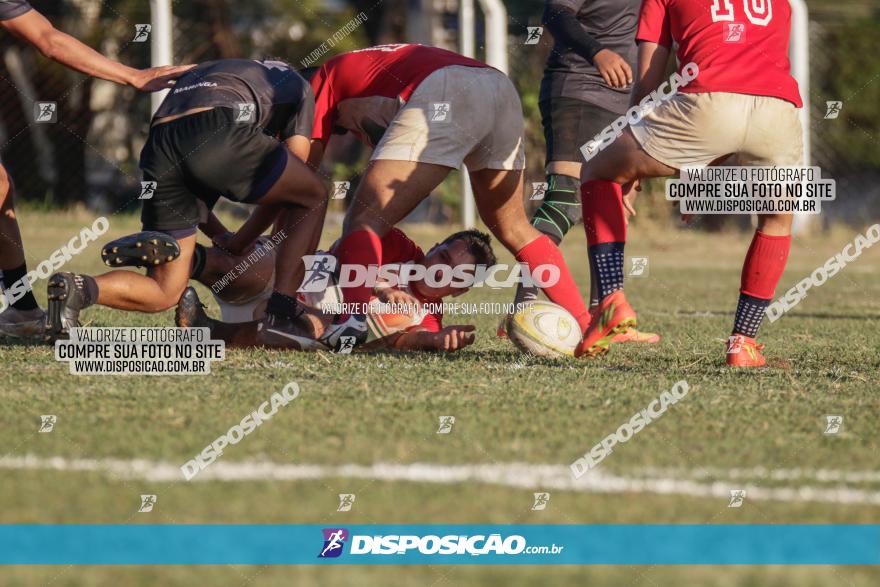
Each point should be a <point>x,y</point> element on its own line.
<point>235,128</point>
<point>417,327</point>
<point>743,102</point>
<point>22,316</point>
<point>428,111</point>
<point>585,87</point>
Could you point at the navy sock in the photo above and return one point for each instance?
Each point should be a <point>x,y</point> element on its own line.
<point>10,278</point>
<point>594,291</point>
<point>607,262</point>
<point>749,315</point>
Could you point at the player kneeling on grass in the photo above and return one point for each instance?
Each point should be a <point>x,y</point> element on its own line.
<point>235,128</point>
<point>428,111</point>
<point>415,319</point>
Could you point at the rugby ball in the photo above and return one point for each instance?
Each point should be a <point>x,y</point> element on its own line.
<point>544,329</point>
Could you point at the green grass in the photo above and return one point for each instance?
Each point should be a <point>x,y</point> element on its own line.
<point>384,407</point>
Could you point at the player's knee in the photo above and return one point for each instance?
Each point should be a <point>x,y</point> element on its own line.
<point>515,234</point>
<point>169,298</point>
<point>775,224</point>
<point>317,191</point>
<point>361,218</point>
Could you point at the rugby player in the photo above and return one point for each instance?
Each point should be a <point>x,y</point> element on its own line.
<point>586,85</point>
<point>235,128</point>
<point>417,327</point>
<point>743,101</point>
<point>23,317</point>
<point>427,111</point>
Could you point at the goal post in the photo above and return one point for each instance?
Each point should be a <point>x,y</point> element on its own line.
<point>161,44</point>
<point>495,14</point>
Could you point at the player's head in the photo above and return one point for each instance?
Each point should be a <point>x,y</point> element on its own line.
<point>467,247</point>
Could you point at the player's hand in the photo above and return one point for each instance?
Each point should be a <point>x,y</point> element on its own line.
<point>630,193</point>
<point>154,79</point>
<point>454,338</point>
<point>614,70</point>
<point>397,297</point>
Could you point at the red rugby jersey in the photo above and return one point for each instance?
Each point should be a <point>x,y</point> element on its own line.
<point>740,46</point>
<point>373,83</point>
<point>398,248</point>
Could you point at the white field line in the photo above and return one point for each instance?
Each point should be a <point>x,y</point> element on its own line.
<point>517,475</point>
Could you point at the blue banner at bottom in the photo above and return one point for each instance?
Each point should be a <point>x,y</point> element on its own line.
<point>413,544</point>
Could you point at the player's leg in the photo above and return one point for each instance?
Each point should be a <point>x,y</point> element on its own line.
<point>687,129</point>
<point>298,193</point>
<point>234,278</point>
<point>605,225</point>
<point>158,290</point>
<point>417,151</point>
<point>173,209</point>
<point>241,163</point>
<point>496,169</point>
<point>762,268</point>
<point>190,313</point>
<point>22,316</point>
<point>388,191</point>
<point>567,124</point>
<point>773,139</point>
<point>498,194</point>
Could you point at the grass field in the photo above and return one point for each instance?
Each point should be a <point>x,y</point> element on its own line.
<point>761,429</point>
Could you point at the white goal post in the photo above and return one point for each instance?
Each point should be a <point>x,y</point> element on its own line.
<point>161,43</point>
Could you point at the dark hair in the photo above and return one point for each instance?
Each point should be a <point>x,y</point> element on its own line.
<point>479,244</point>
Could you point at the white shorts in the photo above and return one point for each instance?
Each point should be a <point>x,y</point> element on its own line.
<point>459,114</point>
<point>696,129</point>
<point>244,311</point>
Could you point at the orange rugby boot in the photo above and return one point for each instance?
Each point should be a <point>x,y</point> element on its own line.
<point>743,351</point>
<point>612,316</point>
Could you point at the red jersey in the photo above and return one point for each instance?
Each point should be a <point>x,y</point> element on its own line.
<point>362,91</point>
<point>740,46</point>
<point>397,248</point>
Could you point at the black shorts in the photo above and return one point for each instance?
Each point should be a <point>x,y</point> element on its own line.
<point>198,158</point>
<point>569,124</point>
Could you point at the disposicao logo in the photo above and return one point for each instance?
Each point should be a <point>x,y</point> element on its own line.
<point>334,541</point>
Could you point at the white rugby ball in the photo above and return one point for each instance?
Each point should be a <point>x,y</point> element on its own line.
<point>544,329</point>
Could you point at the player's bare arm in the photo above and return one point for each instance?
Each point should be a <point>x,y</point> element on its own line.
<point>36,29</point>
<point>448,340</point>
<point>651,69</point>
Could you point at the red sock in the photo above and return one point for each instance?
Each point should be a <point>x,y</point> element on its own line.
<point>764,265</point>
<point>542,251</point>
<point>359,247</point>
<point>604,219</point>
